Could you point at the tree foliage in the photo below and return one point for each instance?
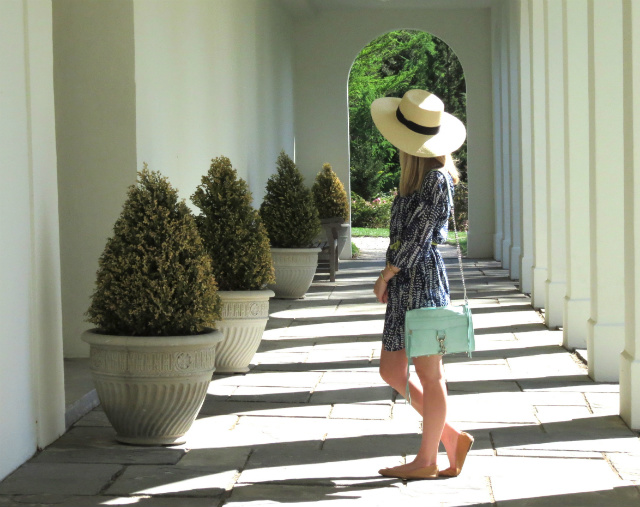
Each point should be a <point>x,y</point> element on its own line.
<point>329,194</point>
<point>232,230</point>
<point>154,277</point>
<point>288,211</point>
<point>387,67</point>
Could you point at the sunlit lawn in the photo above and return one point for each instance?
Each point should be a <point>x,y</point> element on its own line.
<point>372,232</point>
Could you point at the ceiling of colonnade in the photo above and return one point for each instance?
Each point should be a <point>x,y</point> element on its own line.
<point>303,8</point>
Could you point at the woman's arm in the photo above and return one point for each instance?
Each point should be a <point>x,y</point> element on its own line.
<point>433,205</point>
<point>382,283</point>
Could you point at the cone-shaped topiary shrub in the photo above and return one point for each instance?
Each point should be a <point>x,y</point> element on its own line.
<point>232,230</point>
<point>288,210</point>
<point>329,195</point>
<point>154,276</point>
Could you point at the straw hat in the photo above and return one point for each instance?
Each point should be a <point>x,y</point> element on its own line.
<point>417,124</point>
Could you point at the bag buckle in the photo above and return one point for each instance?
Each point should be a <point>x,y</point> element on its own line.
<point>442,334</point>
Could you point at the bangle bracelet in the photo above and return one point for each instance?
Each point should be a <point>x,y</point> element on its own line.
<point>382,276</point>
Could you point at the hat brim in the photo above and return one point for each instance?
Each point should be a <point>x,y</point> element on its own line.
<point>450,137</point>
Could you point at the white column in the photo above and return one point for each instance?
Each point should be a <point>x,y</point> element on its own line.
<point>505,132</point>
<point>46,300</point>
<point>605,340</point>
<point>31,364</point>
<point>496,50</point>
<point>630,365</point>
<point>539,152</point>
<point>526,179</point>
<point>556,240</point>
<point>576,97</point>
<point>514,165</point>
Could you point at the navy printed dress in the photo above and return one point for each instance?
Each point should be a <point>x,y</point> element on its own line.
<point>417,222</point>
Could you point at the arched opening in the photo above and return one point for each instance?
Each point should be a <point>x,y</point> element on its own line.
<point>388,66</point>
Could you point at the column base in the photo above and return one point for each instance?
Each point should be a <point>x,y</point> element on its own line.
<point>506,247</point>
<point>555,294</point>
<point>605,343</point>
<point>574,328</point>
<point>526,274</point>
<point>630,390</point>
<point>538,292</point>
<point>497,247</point>
<point>514,273</point>
<point>479,245</point>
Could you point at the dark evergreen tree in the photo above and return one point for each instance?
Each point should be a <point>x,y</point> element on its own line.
<point>288,211</point>
<point>154,276</point>
<point>232,229</point>
<point>329,195</point>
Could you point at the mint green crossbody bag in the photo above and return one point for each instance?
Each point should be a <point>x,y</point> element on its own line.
<point>439,330</point>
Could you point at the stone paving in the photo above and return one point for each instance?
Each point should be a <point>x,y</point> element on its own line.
<point>312,422</point>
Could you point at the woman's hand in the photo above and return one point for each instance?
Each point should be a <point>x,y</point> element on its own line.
<point>380,289</point>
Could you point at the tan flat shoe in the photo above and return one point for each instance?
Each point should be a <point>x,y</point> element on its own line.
<point>430,472</point>
<point>465,441</point>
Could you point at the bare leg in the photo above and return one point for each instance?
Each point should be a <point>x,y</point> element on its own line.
<point>434,408</point>
<point>393,370</point>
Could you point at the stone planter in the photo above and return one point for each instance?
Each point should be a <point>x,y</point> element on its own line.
<point>152,387</point>
<point>294,268</point>
<point>244,316</point>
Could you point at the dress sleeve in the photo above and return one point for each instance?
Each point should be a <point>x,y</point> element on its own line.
<point>432,209</point>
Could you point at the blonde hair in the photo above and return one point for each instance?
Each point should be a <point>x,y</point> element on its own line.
<point>414,169</point>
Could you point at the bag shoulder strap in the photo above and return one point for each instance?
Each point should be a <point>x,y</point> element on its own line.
<point>455,230</point>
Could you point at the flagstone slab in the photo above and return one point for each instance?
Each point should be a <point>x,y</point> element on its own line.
<point>371,378</point>
<point>627,465</point>
<point>601,434</point>
<point>381,493</point>
<point>102,501</point>
<point>272,379</point>
<point>216,460</point>
<point>98,445</point>
<point>172,481</point>
<point>96,417</point>
<point>548,414</point>
<point>273,430</point>
<point>571,383</point>
<point>338,393</point>
<point>482,386</point>
<point>364,446</point>
<point>361,411</point>
<point>604,403</point>
<point>327,471</point>
<point>59,479</point>
<point>559,480</point>
<point>265,409</point>
<point>271,394</point>
<point>466,489</point>
<point>459,372</point>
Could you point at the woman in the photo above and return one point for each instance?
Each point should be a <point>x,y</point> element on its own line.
<point>415,276</point>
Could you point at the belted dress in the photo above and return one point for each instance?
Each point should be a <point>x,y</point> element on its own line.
<point>419,222</point>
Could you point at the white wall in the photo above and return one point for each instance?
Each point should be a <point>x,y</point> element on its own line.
<point>326,46</point>
<point>96,141</point>
<point>31,379</point>
<point>213,78</point>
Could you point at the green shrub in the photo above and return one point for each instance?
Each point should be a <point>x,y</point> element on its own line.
<point>355,251</point>
<point>461,206</point>
<point>329,195</point>
<point>154,276</point>
<point>288,211</point>
<point>376,213</point>
<point>232,230</point>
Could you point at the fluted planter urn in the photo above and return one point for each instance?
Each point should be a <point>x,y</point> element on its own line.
<point>244,316</point>
<point>295,268</point>
<point>152,387</point>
